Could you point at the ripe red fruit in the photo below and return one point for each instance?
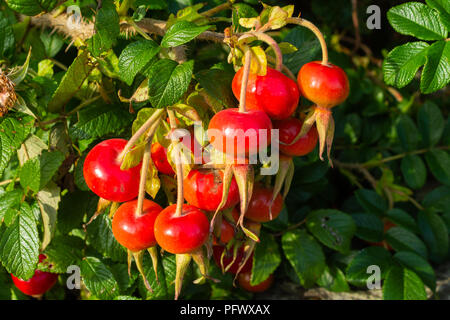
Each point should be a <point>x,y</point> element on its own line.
<point>228,258</point>
<point>259,206</point>
<point>39,283</point>
<point>244,283</point>
<point>203,189</point>
<point>325,85</point>
<point>135,232</point>
<point>182,234</point>
<point>241,130</point>
<point>159,158</point>
<point>275,94</point>
<point>288,130</point>
<point>103,174</point>
<point>226,233</point>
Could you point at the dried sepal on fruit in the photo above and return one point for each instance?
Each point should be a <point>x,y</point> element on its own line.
<point>8,95</point>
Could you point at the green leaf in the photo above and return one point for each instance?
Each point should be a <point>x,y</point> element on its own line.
<point>414,171</point>
<point>6,36</point>
<point>12,133</point>
<point>407,133</point>
<point>402,239</point>
<point>217,84</point>
<point>107,25</point>
<point>37,172</point>
<point>78,174</point>
<point>419,265</point>
<point>371,201</point>
<point>32,7</point>
<point>308,48</point>
<point>180,33</point>
<point>356,272</point>
<point>100,237</point>
<point>31,148</point>
<point>48,201</point>
<point>418,20</point>
<point>402,218</point>
<point>438,199</point>
<point>305,255</point>
<point>443,7</point>
<point>134,57</point>
<point>98,121</point>
<point>168,81</point>
<point>436,73</point>
<point>369,227</point>
<point>19,244</point>
<point>30,175</point>
<point>61,253</point>
<point>435,233</point>
<point>266,258</point>
<point>439,163</point>
<point>166,276</point>
<point>403,284</point>
<point>402,63</point>
<point>72,209</point>
<point>9,200</point>
<point>241,10</point>
<point>431,123</point>
<point>98,278</point>
<point>333,279</point>
<point>71,82</point>
<point>333,228</point>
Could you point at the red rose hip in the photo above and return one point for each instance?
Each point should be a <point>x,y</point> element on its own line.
<point>244,283</point>
<point>275,94</point>
<point>288,131</point>
<point>325,85</point>
<point>259,206</point>
<point>181,234</point>
<point>103,175</point>
<point>203,189</point>
<point>159,158</point>
<point>38,284</point>
<point>135,232</point>
<point>243,131</point>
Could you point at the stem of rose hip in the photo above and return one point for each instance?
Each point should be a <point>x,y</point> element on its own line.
<point>145,165</point>
<point>178,164</point>
<point>316,31</point>
<point>243,93</point>
<point>154,117</point>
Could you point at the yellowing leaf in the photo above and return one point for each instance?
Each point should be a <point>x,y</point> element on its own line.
<point>248,22</point>
<point>285,48</point>
<point>152,184</point>
<point>259,61</point>
<point>289,10</point>
<point>277,18</point>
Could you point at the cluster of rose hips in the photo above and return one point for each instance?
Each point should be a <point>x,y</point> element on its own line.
<point>211,217</point>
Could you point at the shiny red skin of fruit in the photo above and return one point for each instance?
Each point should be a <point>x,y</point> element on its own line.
<point>135,232</point>
<point>275,94</point>
<point>288,130</point>
<point>159,158</point>
<point>103,174</point>
<point>203,189</point>
<point>258,208</point>
<point>232,124</point>
<point>183,234</point>
<point>244,283</point>
<point>228,258</point>
<point>38,284</point>
<point>325,85</point>
<point>227,230</point>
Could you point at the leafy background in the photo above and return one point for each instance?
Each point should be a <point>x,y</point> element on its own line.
<point>391,149</point>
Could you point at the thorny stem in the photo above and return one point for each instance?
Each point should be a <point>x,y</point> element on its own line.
<point>316,31</point>
<point>178,164</point>
<point>157,114</point>
<point>243,94</point>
